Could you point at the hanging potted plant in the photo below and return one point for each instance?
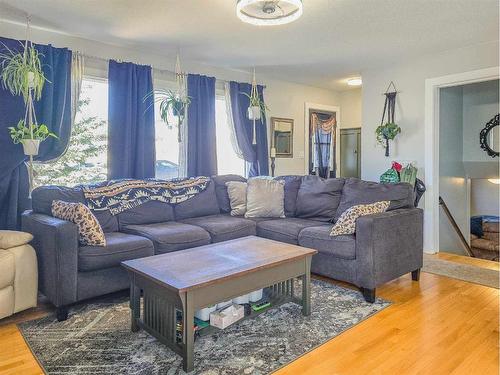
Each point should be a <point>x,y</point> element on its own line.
<point>22,72</point>
<point>388,130</point>
<point>172,102</point>
<point>257,107</point>
<point>30,138</point>
<point>385,133</point>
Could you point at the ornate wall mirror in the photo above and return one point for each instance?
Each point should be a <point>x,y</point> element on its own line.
<point>489,137</point>
<point>282,139</point>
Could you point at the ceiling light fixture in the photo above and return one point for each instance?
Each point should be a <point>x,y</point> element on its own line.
<point>355,81</point>
<point>268,13</point>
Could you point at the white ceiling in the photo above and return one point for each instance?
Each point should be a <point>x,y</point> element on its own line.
<point>334,39</point>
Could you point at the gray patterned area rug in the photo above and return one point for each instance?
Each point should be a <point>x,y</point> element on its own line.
<point>96,338</point>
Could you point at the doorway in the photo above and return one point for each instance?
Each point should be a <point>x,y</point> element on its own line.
<point>464,166</point>
<point>321,137</point>
<point>432,87</point>
<point>350,152</point>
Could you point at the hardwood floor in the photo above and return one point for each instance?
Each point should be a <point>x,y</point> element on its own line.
<point>437,326</point>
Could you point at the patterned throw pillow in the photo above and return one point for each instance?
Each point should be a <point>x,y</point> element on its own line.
<point>346,224</point>
<point>89,230</point>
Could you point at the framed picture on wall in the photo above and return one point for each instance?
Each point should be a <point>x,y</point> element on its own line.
<point>282,136</point>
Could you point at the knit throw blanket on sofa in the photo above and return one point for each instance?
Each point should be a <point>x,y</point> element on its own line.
<point>121,195</point>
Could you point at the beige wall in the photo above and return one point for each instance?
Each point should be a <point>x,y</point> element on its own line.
<point>351,108</point>
<point>288,100</point>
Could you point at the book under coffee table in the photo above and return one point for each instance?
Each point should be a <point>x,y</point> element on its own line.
<point>187,280</point>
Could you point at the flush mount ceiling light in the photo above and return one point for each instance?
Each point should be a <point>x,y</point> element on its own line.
<point>268,13</point>
<point>355,81</point>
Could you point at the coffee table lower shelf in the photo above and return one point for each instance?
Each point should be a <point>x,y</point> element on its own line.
<point>275,299</point>
<point>157,312</point>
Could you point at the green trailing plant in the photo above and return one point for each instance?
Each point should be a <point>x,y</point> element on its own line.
<point>171,102</point>
<point>256,102</point>
<point>22,71</point>
<point>386,132</point>
<point>36,132</point>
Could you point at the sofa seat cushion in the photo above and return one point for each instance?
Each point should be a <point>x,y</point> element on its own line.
<point>285,230</point>
<point>319,238</point>
<point>224,227</point>
<point>171,236</point>
<point>119,247</point>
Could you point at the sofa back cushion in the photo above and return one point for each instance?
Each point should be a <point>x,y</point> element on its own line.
<point>202,204</point>
<point>43,196</point>
<point>318,198</point>
<point>292,186</point>
<point>221,190</point>
<point>147,213</point>
<point>357,192</point>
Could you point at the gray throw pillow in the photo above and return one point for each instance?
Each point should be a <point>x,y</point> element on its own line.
<point>237,192</point>
<point>265,198</point>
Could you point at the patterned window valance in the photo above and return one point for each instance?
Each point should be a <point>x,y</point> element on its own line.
<point>327,125</point>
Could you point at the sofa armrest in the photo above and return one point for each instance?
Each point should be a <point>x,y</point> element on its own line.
<point>388,245</point>
<point>56,245</point>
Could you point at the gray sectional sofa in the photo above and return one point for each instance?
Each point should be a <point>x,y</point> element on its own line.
<point>384,247</point>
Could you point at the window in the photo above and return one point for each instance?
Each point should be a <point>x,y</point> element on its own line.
<point>167,146</point>
<point>227,160</point>
<point>85,159</point>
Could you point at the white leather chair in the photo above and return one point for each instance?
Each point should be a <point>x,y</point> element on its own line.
<point>18,273</point>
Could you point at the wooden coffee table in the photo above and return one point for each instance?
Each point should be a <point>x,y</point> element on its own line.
<point>174,285</point>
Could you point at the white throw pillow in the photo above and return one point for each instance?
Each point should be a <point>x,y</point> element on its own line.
<point>265,198</point>
<point>237,191</point>
<point>346,224</point>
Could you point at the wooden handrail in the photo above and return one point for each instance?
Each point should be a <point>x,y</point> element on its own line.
<point>456,227</point>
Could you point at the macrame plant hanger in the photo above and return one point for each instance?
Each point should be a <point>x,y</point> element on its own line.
<point>389,108</point>
<point>29,115</point>
<point>254,94</point>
